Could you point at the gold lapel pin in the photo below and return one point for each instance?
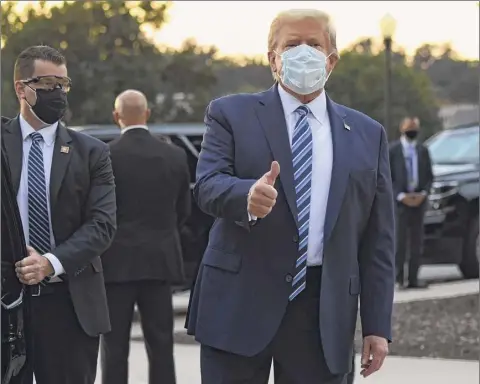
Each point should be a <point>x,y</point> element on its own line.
<point>347,127</point>
<point>64,149</point>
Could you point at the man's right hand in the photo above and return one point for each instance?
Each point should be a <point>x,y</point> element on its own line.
<point>263,195</point>
<point>407,200</point>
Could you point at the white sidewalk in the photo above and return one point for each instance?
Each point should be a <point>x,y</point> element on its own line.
<point>397,370</point>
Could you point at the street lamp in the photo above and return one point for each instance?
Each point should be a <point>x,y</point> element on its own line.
<point>387,26</point>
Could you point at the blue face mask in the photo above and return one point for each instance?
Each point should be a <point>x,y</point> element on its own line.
<point>304,69</point>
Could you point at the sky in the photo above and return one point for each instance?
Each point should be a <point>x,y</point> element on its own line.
<point>241,27</point>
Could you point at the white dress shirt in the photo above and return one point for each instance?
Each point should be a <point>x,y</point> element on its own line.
<point>47,145</point>
<point>322,161</point>
<point>130,127</point>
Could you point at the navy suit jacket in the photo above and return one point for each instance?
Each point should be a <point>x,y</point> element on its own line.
<point>244,280</point>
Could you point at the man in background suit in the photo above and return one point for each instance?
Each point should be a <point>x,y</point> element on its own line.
<point>145,259</point>
<point>302,195</point>
<point>65,192</point>
<point>412,179</point>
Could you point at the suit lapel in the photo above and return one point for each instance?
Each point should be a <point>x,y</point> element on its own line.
<point>12,141</point>
<point>342,147</point>
<point>62,153</point>
<point>272,119</point>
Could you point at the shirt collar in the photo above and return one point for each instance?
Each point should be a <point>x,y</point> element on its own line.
<point>406,143</point>
<point>48,133</point>
<point>318,106</point>
<point>130,127</point>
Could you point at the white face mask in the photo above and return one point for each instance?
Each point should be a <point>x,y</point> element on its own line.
<point>304,69</point>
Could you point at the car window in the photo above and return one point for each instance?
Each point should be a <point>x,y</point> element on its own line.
<point>191,144</point>
<point>455,146</point>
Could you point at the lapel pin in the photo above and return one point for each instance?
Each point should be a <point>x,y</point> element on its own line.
<point>64,149</point>
<point>347,127</point>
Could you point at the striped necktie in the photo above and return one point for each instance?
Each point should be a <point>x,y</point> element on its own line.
<point>38,218</point>
<point>302,169</point>
<point>410,168</point>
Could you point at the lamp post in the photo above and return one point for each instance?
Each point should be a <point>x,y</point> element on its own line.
<point>387,26</point>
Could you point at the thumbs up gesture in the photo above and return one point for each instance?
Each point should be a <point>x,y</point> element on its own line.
<point>263,195</point>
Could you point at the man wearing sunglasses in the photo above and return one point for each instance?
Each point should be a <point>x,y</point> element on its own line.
<point>65,191</point>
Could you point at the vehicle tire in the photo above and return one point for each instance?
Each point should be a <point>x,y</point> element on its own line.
<point>469,266</point>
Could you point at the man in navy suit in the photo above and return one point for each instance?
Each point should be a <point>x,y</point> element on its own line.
<point>301,191</point>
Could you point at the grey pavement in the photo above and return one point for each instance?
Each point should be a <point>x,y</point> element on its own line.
<point>396,370</point>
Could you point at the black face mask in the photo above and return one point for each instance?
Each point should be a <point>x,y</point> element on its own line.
<point>50,105</point>
<point>412,135</point>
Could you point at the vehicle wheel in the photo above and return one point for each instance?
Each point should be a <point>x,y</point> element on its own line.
<point>471,252</point>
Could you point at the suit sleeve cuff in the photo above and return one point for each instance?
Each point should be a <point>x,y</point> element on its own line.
<point>56,264</point>
<point>252,219</point>
<point>400,196</point>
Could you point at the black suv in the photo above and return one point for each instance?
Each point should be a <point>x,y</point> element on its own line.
<point>194,235</point>
<point>451,221</point>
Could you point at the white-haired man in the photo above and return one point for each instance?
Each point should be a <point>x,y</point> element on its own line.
<point>300,188</point>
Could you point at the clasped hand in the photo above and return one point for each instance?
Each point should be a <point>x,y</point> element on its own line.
<point>263,195</point>
<point>34,268</point>
<point>413,199</point>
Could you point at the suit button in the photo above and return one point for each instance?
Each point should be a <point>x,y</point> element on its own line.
<point>288,278</point>
<point>295,239</point>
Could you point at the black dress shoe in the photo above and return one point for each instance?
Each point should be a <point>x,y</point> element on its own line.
<point>417,285</point>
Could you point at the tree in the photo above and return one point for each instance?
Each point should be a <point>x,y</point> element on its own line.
<point>455,80</point>
<point>187,78</point>
<point>358,81</point>
<point>106,49</point>
<point>248,76</point>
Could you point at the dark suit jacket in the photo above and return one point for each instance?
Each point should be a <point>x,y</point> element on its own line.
<point>153,199</point>
<point>399,169</point>
<point>242,289</point>
<point>82,201</point>
<point>16,321</point>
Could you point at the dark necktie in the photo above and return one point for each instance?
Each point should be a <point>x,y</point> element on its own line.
<point>38,218</point>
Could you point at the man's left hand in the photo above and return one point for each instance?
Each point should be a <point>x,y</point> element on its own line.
<point>418,199</point>
<point>34,268</point>
<point>375,349</point>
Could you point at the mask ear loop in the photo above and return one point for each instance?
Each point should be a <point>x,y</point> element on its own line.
<point>330,72</point>
<point>30,106</point>
<point>36,98</point>
<point>278,74</point>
